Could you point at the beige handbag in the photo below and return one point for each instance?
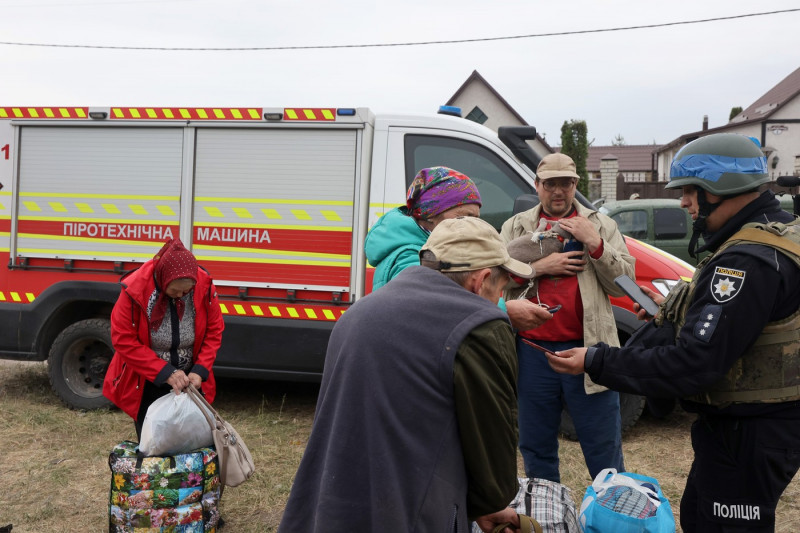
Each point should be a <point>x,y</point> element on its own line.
<point>235,462</point>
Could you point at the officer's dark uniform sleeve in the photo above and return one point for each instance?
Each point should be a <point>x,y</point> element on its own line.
<point>485,390</point>
<point>722,322</point>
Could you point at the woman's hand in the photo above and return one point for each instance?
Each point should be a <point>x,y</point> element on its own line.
<point>196,380</point>
<point>178,380</point>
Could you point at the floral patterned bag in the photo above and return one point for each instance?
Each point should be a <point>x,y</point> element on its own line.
<point>171,494</point>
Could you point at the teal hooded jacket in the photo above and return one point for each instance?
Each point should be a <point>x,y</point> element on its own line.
<point>393,244</point>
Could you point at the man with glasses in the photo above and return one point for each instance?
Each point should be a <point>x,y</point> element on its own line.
<point>580,281</point>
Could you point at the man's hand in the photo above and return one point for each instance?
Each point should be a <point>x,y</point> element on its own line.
<point>583,230</point>
<point>641,314</point>
<point>560,264</point>
<point>490,521</point>
<point>525,315</point>
<point>568,361</point>
<point>178,380</point>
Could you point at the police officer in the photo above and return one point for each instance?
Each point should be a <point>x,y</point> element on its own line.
<point>727,344</point>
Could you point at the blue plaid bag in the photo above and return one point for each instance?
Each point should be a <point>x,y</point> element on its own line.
<point>625,502</point>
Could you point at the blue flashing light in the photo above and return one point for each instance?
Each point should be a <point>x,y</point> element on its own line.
<point>450,110</point>
<point>346,112</point>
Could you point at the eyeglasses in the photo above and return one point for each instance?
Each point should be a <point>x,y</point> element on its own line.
<point>552,184</point>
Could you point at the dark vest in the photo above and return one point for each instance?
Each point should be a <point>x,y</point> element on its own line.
<point>768,371</point>
<point>384,453</point>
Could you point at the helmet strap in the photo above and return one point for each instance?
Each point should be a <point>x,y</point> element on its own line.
<point>705,208</point>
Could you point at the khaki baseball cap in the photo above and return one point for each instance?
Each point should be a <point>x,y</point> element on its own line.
<point>556,165</point>
<point>468,243</point>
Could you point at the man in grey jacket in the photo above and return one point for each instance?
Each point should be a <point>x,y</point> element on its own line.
<point>579,280</point>
<point>416,422</point>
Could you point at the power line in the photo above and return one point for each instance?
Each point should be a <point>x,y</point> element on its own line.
<point>382,45</point>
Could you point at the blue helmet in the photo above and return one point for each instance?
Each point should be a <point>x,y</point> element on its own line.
<point>725,164</point>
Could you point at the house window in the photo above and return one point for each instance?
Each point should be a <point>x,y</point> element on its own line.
<point>476,115</point>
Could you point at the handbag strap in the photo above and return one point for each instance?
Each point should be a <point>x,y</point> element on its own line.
<point>600,484</point>
<point>209,412</point>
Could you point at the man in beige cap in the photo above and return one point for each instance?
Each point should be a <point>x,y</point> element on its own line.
<point>579,279</point>
<point>416,421</point>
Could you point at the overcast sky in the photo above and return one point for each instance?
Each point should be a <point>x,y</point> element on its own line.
<point>648,85</point>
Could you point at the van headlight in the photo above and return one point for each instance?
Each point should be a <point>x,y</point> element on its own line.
<point>664,285</point>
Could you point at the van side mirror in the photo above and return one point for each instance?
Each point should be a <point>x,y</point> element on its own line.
<point>523,202</point>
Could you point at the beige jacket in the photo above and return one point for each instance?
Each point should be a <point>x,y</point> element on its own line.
<point>596,281</point>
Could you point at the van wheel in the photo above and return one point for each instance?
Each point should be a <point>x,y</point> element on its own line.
<point>78,361</point>
<point>630,408</point>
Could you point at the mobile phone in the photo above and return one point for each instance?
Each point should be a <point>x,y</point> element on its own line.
<point>636,294</point>
<point>533,344</point>
<point>553,309</point>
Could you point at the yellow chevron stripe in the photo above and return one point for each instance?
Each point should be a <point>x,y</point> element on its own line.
<point>223,308</point>
<point>331,215</point>
<point>257,310</point>
<point>310,313</point>
<point>222,200</point>
<point>102,220</point>
<point>137,209</point>
<point>274,311</point>
<point>267,226</point>
<point>239,309</point>
<point>271,213</point>
<point>58,207</point>
<point>242,212</point>
<point>213,211</point>
<point>301,214</point>
<point>292,312</point>
<point>111,209</point>
<point>328,314</point>
<point>31,206</point>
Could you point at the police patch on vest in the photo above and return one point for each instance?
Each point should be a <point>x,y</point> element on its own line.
<point>726,283</point>
<point>707,322</point>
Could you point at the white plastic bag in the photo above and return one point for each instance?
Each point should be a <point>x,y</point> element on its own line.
<point>174,424</point>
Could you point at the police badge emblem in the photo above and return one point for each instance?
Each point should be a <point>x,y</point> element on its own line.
<point>726,283</point>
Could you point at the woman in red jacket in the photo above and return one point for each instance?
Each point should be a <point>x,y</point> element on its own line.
<point>166,328</point>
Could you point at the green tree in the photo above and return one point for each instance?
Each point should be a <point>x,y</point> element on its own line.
<point>734,111</point>
<point>575,145</point>
<point>619,140</point>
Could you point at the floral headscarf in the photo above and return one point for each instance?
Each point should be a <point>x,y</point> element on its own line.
<point>172,262</point>
<point>438,189</point>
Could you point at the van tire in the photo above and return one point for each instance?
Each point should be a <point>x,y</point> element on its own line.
<point>77,363</point>
<point>630,407</point>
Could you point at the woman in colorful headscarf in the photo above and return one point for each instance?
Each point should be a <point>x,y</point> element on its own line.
<point>166,328</point>
<point>436,194</point>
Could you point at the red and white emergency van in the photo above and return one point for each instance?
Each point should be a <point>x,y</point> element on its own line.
<point>274,202</point>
